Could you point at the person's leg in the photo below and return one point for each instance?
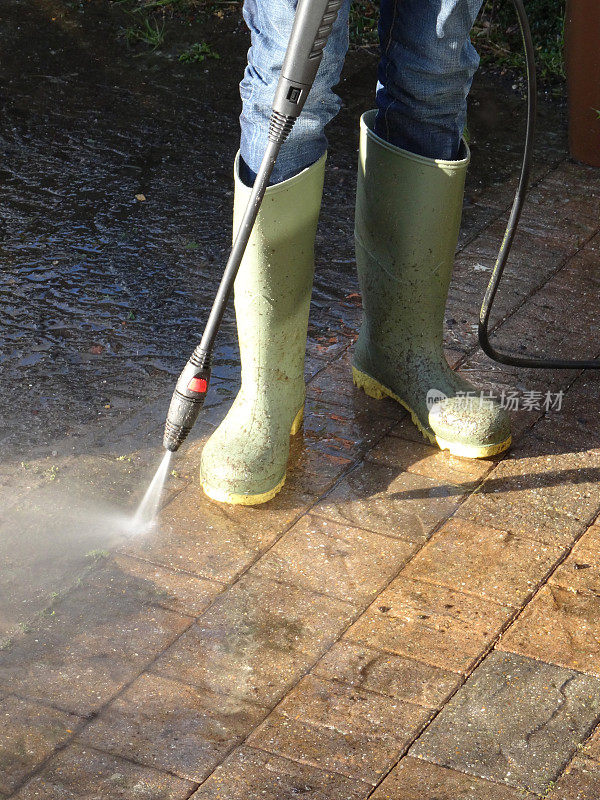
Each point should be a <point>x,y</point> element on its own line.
<point>425,74</point>
<point>411,178</point>
<point>270,23</point>
<point>245,460</point>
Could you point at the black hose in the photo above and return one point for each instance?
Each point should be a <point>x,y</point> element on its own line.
<point>513,221</point>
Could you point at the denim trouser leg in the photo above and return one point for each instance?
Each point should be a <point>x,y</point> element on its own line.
<point>270,23</point>
<point>425,73</point>
<point>427,65</point>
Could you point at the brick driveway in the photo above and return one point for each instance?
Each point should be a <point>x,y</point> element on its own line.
<point>398,624</point>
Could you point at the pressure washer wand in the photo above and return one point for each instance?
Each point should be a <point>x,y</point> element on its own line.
<point>312,26</point>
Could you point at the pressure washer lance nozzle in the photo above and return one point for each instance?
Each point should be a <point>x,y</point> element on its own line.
<point>188,399</point>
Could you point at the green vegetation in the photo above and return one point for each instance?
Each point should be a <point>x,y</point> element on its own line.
<point>197,53</point>
<point>363,22</point>
<point>498,38</point>
<point>51,473</point>
<point>149,31</point>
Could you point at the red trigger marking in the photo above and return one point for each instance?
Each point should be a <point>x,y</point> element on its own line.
<point>198,385</point>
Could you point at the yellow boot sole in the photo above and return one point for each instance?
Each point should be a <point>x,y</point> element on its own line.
<point>378,391</point>
<point>222,496</point>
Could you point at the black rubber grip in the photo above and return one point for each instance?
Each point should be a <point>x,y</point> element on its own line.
<point>329,17</point>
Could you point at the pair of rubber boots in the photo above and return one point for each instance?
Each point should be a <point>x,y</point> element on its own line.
<point>408,212</point>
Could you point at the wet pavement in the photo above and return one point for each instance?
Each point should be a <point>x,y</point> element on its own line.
<point>397,623</point>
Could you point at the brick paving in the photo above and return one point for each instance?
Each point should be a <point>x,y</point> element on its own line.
<point>398,624</point>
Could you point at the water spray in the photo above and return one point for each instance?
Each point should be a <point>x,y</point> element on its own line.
<point>148,508</point>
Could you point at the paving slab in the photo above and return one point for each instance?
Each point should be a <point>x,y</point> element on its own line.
<point>438,626</point>
<point>257,640</point>
<point>592,746</point>
<point>180,645</point>
<point>251,774</point>
<point>388,674</point>
<point>96,641</point>
<point>342,431</point>
<point>415,779</point>
<point>335,559</point>
<point>328,335</point>
<point>334,385</point>
<point>173,727</point>
<point>351,731</point>
<point>581,781</point>
<point>515,721</point>
<point>547,496</point>
<point>386,501</point>
<point>311,470</point>
<point>154,585</point>
<point>74,506</point>
<point>560,626</point>
<point>580,572</point>
<point>212,540</point>
<point>574,427</point>
<point>29,734</point>
<point>430,462</point>
<point>84,773</point>
<point>483,561</point>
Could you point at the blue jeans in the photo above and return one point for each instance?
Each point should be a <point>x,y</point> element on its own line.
<point>425,73</point>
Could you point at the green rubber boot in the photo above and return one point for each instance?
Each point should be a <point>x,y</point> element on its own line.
<point>408,212</point>
<point>244,462</point>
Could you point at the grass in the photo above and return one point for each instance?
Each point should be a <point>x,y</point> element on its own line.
<point>149,31</point>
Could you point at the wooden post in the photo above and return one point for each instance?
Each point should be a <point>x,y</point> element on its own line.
<point>582,52</point>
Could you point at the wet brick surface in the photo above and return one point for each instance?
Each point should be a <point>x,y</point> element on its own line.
<point>415,779</point>
<point>582,781</point>
<point>515,720</point>
<point>559,626</point>
<point>250,773</point>
<point>257,640</point>
<point>483,561</point>
<point>439,626</point>
<point>96,641</point>
<point>29,734</point>
<point>82,772</point>
<point>428,461</point>
<point>388,674</point>
<point>154,585</point>
<point>397,623</point>
<point>349,730</point>
<point>581,571</point>
<point>388,501</point>
<point>334,559</point>
<point>173,727</point>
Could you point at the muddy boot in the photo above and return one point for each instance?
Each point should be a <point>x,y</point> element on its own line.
<point>244,461</point>
<point>408,212</point>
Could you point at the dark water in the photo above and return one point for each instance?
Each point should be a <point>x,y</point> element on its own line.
<point>102,295</point>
